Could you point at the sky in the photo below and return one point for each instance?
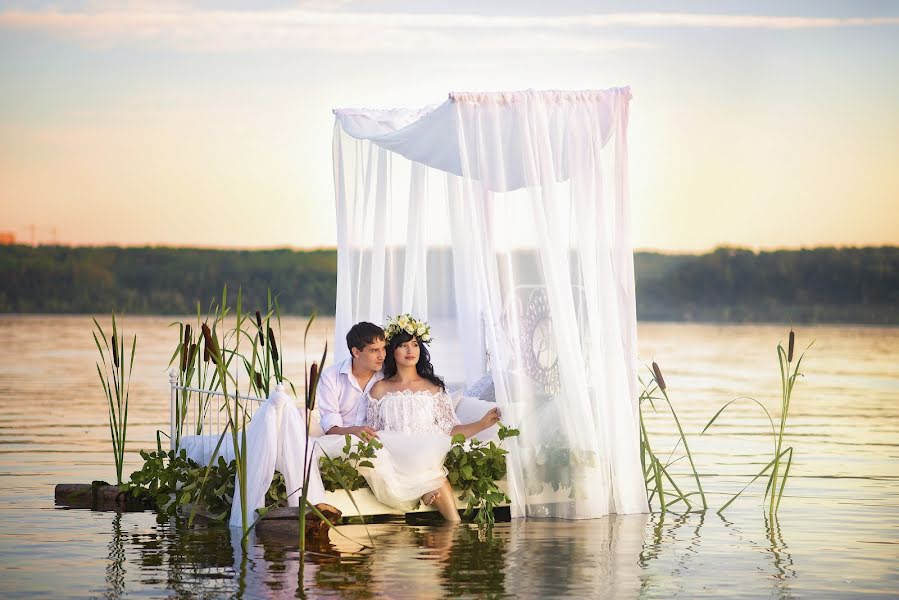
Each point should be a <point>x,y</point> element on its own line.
<point>208,123</point>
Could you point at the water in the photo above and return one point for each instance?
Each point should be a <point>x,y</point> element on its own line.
<point>837,535</point>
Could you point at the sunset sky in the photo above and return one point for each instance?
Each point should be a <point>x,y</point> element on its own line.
<point>205,123</point>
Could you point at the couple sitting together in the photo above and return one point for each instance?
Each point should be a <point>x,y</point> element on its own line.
<point>388,390</point>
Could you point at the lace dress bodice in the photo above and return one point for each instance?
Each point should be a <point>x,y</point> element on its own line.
<point>412,412</point>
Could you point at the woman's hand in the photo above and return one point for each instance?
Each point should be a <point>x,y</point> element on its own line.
<point>491,418</point>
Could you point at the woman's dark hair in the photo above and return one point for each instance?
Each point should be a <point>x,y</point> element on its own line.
<point>424,368</point>
<point>362,334</point>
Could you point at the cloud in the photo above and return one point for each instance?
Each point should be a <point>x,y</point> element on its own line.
<point>189,27</point>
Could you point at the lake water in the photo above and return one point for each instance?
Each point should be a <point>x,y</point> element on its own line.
<point>837,535</point>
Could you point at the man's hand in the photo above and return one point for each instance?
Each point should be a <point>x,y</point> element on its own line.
<point>364,432</point>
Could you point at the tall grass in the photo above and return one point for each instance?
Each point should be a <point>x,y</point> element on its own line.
<point>193,371</point>
<point>656,471</point>
<point>783,457</point>
<point>221,355</point>
<point>115,376</point>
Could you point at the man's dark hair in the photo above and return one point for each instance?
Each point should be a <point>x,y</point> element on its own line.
<point>362,334</point>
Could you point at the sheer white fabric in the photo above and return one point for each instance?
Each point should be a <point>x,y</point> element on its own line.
<point>276,440</point>
<point>414,429</point>
<point>503,219</point>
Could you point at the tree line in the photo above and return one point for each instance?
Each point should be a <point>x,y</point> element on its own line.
<point>823,285</point>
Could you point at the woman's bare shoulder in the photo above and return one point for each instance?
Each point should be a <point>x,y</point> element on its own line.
<point>431,387</point>
<point>380,388</point>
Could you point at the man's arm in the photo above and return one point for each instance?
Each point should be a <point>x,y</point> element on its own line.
<point>363,432</point>
<point>327,399</point>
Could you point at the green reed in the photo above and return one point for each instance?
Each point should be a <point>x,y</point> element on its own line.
<point>783,457</point>
<point>656,472</point>
<point>115,376</point>
<point>221,355</point>
<point>193,371</point>
<point>266,359</point>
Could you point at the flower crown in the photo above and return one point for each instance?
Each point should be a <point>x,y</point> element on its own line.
<point>407,324</point>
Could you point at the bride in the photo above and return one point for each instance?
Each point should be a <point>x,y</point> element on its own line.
<point>415,421</point>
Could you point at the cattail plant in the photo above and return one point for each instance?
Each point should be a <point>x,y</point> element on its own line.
<point>265,361</point>
<point>783,457</point>
<point>115,377</point>
<point>237,417</point>
<point>656,472</point>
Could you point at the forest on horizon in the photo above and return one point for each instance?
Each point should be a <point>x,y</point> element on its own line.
<point>820,285</point>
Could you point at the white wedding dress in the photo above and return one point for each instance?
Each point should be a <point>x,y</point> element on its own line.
<point>414,428</point>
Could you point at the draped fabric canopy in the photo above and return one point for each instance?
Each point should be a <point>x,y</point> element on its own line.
<point>503,219</point>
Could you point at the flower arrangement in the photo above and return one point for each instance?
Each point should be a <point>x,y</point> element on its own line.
<point>408,324</point>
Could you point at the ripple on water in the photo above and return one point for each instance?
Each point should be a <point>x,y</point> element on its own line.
<point>837,535</point>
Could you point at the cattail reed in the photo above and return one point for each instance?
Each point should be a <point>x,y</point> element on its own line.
<point>185,349</point>
<point>272,344</point>
<point>258,380</point>
<point>115,379</point>
<point>259,327</point>
<point>193,354</point>
<point>313,381</point>
<point>657,372</point>
<point>210,344</point>
<point>790,347</point>
<point>205,352</point>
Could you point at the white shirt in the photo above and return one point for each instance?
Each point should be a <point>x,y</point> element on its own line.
<point>341,401</point>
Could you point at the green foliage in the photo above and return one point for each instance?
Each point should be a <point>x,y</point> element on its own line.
<point>161,479</point>
<point>824,285</point>
<point>475,471</point>
<point>170,479</point>
<point>559,467</point>
<point>341,472</point>
<point>61,279</point>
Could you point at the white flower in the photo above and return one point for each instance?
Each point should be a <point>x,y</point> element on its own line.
<point>421,330</point>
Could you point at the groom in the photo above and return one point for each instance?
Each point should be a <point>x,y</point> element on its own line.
<point>343,386</point>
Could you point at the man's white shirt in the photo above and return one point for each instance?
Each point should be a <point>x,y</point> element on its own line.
<point>340,399</point>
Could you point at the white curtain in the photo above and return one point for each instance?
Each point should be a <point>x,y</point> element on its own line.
<point>276,440</point>
<point>503,219</point>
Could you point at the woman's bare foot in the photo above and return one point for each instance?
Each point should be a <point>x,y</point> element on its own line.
<point>446,503</point>
<point>429,498</point>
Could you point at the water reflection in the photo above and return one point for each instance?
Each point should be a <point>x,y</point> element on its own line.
<point>115,569</point>
<point>781,558</point>
<point>593,558</point>
<point>194,562</point>
<point>524,558</point>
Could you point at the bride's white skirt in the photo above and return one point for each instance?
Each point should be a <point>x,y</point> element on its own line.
<point>408,466</point>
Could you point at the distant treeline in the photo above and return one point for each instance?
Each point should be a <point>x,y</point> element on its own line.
<point>823,285</point>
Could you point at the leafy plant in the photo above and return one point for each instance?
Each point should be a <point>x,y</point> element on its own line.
<point>169,479</point>
<point>777,480</point>
<point>343,471</point>
<point>476,469</point>
<point>160,479</point>
<point>115,376</point>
